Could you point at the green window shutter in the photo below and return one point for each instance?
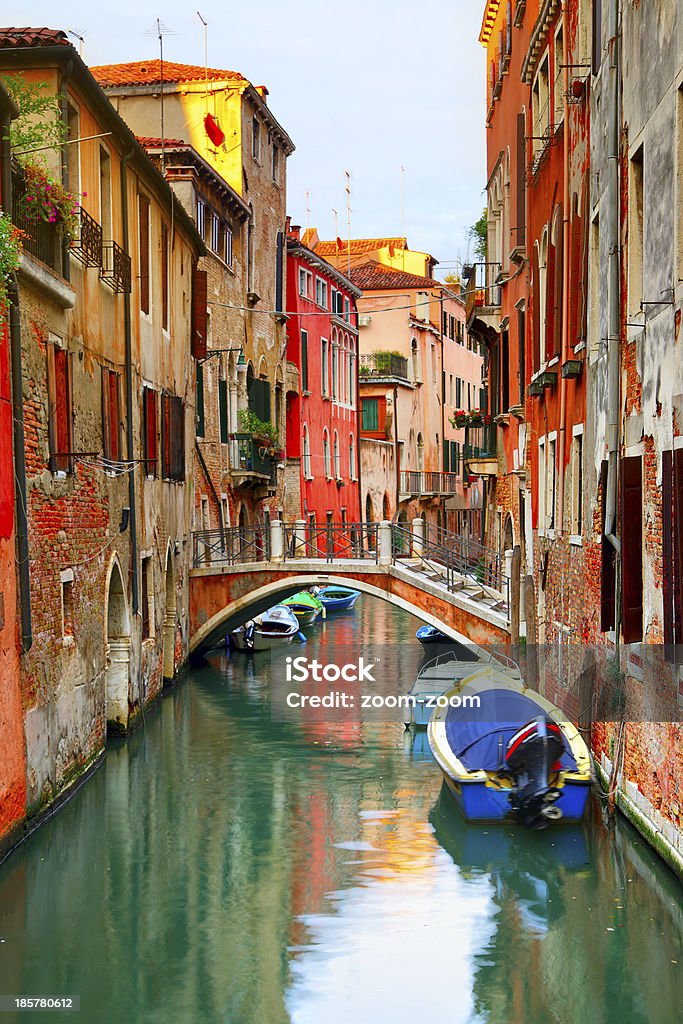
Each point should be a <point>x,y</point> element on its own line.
<point>200,401</point>
<point>259,399</point>
<point>223,409</point>
<point>370,414</point>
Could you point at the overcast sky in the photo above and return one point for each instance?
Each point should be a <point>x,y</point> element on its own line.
<point>369,86</point>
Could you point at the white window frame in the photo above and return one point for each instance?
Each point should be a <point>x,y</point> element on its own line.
<point>336,456</point>
<point>307,277</point>
<point>324,367</point>
<point>327,455</point>
<point>551,476</point>
<point>352,457</point>
<point>577,496</point>
<point>275,163</point>
<point>542,486</point>
<point>256,138</point>
<point>321,292</point>
<point>228,242</point>
<point>215,233</point>
<point>201,218</point>
<point>308,474</point>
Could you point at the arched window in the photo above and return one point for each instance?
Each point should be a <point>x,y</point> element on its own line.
<point>414,361</point>
<point>307,454</point>
<point>543,293</point>
<point>352,457</point>
<point>555,284</point>
<point>326,454</point>
<point>337,457</point>
<point>386,513</point>
<point>536,308</point>
<point>420,453</point>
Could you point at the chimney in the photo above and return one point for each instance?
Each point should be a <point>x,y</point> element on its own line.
<point>262,91</point>
<point>296,232</point>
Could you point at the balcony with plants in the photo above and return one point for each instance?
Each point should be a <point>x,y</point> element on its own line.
<point>383,364</point>
<point>255,451</point>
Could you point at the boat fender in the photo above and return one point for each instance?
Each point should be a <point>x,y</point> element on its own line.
<point>249,631</point>
<point>301,637</point>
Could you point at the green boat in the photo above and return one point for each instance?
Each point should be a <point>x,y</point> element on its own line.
<point>306,606</point>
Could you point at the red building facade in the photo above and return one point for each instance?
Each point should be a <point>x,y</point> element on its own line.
<point>322,419</point>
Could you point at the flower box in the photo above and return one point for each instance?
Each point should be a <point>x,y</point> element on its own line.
<point>571,369</point>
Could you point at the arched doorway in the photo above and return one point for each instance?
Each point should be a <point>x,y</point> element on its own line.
<point>386,508</point>
<point>369,519</point>
<point>117,652</point>
<point>508,536</point>
<point>169,621</point>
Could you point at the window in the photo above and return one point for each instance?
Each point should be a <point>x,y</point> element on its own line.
<point>200,429</point>
<point>519,230</point>
<point>324,367</point>
<point>111,415</point>
<point>577,481</point>
<point>672,545</point>
<point>458,393</point>
<point>632,548</point>
<point>147,607</point>
<point>321,292</point>
<point>144,252</point>
<point>679,181</point>
<point>596,59</point>
<point>326,454</point>
<point>373,417</point>
<point>164,277</point>
<point>68,625</point>
<point>305,283</point>
<point>542,487</point>
<point>73,153</point>
<point>172,438</point>
<point>215,234</point>
<point>608,564</point>
<point>149,427</point>
<point>256,138</point>
<point>335,298</point>
<point>337,457</point>
<point>521,342</point>
<point>223,416</point>
<point>352,379</point>
<point>335,371</point>
<point>228,245</point>
<point>635,233</point>
<point>551,481</point>
<point>414,361</point>
<point>347,310</point>
<point>59,395</point>
<point>307,455</point>
<point>594,286</point>
<point>558,85</point>
<point>105,192</point>
<point>352,457</point>
<point>276,164</point>
<point>201,218</point>
<point>540,108</point>
<point>304,360</point>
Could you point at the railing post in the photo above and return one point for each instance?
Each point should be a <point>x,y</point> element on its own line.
<point>300,538</point>
<point>418,532</point>
<point>277,541</point>
<point>384,542</point>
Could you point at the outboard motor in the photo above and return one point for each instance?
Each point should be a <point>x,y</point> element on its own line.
<point>532,755</point>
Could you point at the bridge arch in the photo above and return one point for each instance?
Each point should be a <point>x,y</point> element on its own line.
<point>265,596</point>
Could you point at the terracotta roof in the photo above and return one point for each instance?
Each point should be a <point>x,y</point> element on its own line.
<point>151,143</point>
<point>376,277</point>
<point>148,72</point>
<point>20,37</point>
<point>360,245</point>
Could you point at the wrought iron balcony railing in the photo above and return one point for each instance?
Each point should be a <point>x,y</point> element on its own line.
<point>482,287</point>
<point>87,248</point>
<point>480,442</point>
<point>383,364</point>
<point>416,482</point>
<point>248,457</point>
<point>115,270</point>
<point>41,239</point>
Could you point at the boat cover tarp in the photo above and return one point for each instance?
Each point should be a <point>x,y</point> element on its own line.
<point>479,736</point>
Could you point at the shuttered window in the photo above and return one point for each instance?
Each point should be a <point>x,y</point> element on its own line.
<point>608,564</point>
<point>172,438</point>
<point>199,316</point>
<point>520,232</point>
<point>164,277</point>
<point>223,409</point>
<point>149,428</point>
<point>632,549</point>
<point>144,253</point>
<point>536,311</point>
<point>200,427</point>
<point>304,360</point>
<point>111,415</point>
<point>60,428</point>
<point>672,545</point>
<point>259,398</point>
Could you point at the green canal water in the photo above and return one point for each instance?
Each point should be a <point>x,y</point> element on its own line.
<point>222,867</point>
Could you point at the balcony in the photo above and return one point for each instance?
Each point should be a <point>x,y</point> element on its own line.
<point>480,450</point>
<point>115,269</point>
<point>42,240</point>
<point>421,484</point>
<point>482,293</point>
<point>87,248</point>
<point>251,465</point>
<point>383,364</point>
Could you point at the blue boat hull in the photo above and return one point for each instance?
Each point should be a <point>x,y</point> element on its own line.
<point>431,635</point>
<point>478,802</point>
<point>339,604</point>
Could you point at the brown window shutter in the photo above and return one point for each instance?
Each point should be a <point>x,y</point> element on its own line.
<point>536,314</point>
<point>557,288</point>
<point>143,216</point>
<point>199,319</point>
<point>677,544</point>
<point>608,559</point>
<point>549,339</point>
<point>114,418</point>
<point>63,409</point>
<point>166,435</point>
<point>632,549</point>
<point>667,547</point>
<point>164,277</point>
<point>150,428</point>
<point>521,180</point>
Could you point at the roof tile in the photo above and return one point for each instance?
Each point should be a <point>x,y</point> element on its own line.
<point>360,245</point>
<point>374,276</point>
<point>148,72</point>
<point>20,37</point>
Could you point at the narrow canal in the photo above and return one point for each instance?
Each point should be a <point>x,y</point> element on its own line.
<point>222,867</point>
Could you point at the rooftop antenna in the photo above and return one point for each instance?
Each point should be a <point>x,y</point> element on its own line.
<point>403,200</point>
<point>77,35</point>
<point>206,57</point>
<point>336,222</point>
<point>160,30</point>
<point>307,193</point>
<point>347,175</point>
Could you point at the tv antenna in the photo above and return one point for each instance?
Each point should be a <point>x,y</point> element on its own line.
<point>160,30</point>
<point>77,35</point>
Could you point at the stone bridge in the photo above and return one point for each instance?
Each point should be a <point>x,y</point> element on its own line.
<point>446,580</point>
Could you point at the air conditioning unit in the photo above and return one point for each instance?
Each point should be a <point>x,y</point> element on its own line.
<point>364,319</point>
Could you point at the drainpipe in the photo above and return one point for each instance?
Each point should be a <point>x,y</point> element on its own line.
<point>129,390</point>
<point>565,272</point>
<point>396,450</point>
<point>613,202</point>
<point>205,469</point>
<point>63,109</point>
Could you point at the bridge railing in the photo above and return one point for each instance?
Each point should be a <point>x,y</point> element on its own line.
<point>332,541</point>
<point>233,546</point>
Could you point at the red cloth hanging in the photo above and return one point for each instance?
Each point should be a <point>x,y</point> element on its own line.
<point>213,130</point>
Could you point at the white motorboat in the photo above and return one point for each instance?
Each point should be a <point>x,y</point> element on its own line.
<point>276,627</point>
<point>433,679</point>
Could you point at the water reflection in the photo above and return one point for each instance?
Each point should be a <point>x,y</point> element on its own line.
<point>223,867</point>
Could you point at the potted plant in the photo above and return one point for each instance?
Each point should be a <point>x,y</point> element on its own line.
<point>10,251</point>
<point>263,432</point>
<point>459,419</point>
<point>476,418</point>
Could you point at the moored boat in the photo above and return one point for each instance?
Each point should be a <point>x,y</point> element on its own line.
<point>431,635</point>
<point>337,599</point>
<point>434,678</point>
<point>276,627</point>
<point>507,752</point>
<point>306,606</point>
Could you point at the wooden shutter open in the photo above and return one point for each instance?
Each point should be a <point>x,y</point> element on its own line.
<point>149,414</point>
<point>608,564</point>
<point>632,549</point>
<point>536,313</point>
<point>199,317</point>
<point>677,544</point>
<point>549,339</point>
<point>667,547</point>
<point>143,218</point>
<point>520,233</point>
<point>223,409</point>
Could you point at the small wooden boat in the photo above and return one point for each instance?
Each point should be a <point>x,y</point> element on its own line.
<point>433,679</point>
<point>431,635</point>
<point>337,599</point>
<point>274,628</point>
<point>512,754</point>
<point>306,606</point>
